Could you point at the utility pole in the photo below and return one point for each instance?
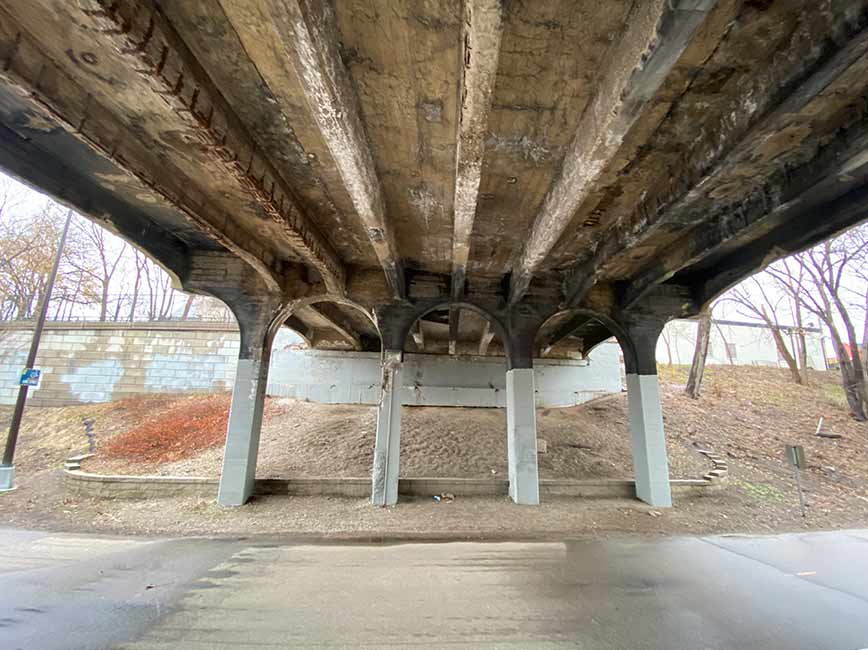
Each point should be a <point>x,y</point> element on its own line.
<point>7,469</point>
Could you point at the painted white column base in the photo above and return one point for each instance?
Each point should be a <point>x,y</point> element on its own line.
<point>7,478</point>
<point>387,451</point>
<point>242,435</point>
<point>521,436</point>
<point>648,440</point>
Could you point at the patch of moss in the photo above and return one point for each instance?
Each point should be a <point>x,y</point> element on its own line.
<point>761,491</point>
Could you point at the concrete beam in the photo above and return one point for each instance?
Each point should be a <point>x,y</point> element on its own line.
<point>20,157</point>
<point>142,36</point>
<point>312,46</point>
<point>62,102</point>
<point>818,183</point>
<point>300,327</point>
<point>481,33</point>
<point>802,229</point>
<point>566,329</point>
<point>847,66</point>
<point>337,324</point>
<point>657,33</point>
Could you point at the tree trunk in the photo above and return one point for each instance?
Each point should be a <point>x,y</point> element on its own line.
<point>725,345</point>
<point>801,343</point>
<point>857,369</point>
<point>136,290</point>
<point>781,345</point>
<point>187,306</point>
<point>103,303</point>
<point>865,335</point>
<point>847,380</point>
<point>700,353</point>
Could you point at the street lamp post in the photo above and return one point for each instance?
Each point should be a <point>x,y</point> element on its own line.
<point>7,469</point>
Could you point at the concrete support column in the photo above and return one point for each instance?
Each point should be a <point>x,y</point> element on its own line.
<point>388,445</point>
<point>648,440</point>
<point>245,414</point>
<point>521,436</point>
<point>650,463</point>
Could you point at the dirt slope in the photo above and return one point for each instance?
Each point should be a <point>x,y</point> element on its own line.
<point>307,439</point>
<point>747,414</point>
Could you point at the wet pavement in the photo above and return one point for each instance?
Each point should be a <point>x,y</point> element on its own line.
<point>785,591</point>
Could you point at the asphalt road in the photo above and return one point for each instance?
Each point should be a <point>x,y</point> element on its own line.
<point>789,591</point>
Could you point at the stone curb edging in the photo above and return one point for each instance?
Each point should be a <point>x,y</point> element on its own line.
<point>74,462</point>
<point>107,486</point>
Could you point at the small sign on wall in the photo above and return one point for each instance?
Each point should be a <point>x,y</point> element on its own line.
<point>31,377</point>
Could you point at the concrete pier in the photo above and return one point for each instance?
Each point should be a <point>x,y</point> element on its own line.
<point>521,436</point>
<point>242,434</point>
<point>7,478</point>
<point>648,441</point>
<point>388,445</point>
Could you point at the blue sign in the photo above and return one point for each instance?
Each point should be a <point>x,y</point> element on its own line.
<point>31,377</point>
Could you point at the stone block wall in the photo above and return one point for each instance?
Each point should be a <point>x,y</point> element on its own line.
<point>101,362</point>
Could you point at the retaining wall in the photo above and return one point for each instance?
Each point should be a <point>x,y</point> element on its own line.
<point>101,362</point>
<point>148,487</point>
<point>431,380</point>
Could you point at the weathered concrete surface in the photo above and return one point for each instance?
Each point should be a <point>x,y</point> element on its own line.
<point>595,155</point>
<point>325,163</point>
<point>755,593</point>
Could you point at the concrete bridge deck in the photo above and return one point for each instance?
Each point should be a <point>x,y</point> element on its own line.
<point>517,179</point>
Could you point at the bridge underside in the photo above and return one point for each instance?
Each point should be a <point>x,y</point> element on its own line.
<point>469,176</point>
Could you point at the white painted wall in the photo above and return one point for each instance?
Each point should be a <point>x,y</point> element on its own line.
<point>101,362</point>
<point>431,380</point>
<point>750,345</point>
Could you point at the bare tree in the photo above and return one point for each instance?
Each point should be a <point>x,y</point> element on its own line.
<point>756,297</point>
<point>102,264</point>
<point>666,335</point>
<point>187,305</point>
<point>820,277</point>
<point>700,354</point>
<point>140,261</point>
